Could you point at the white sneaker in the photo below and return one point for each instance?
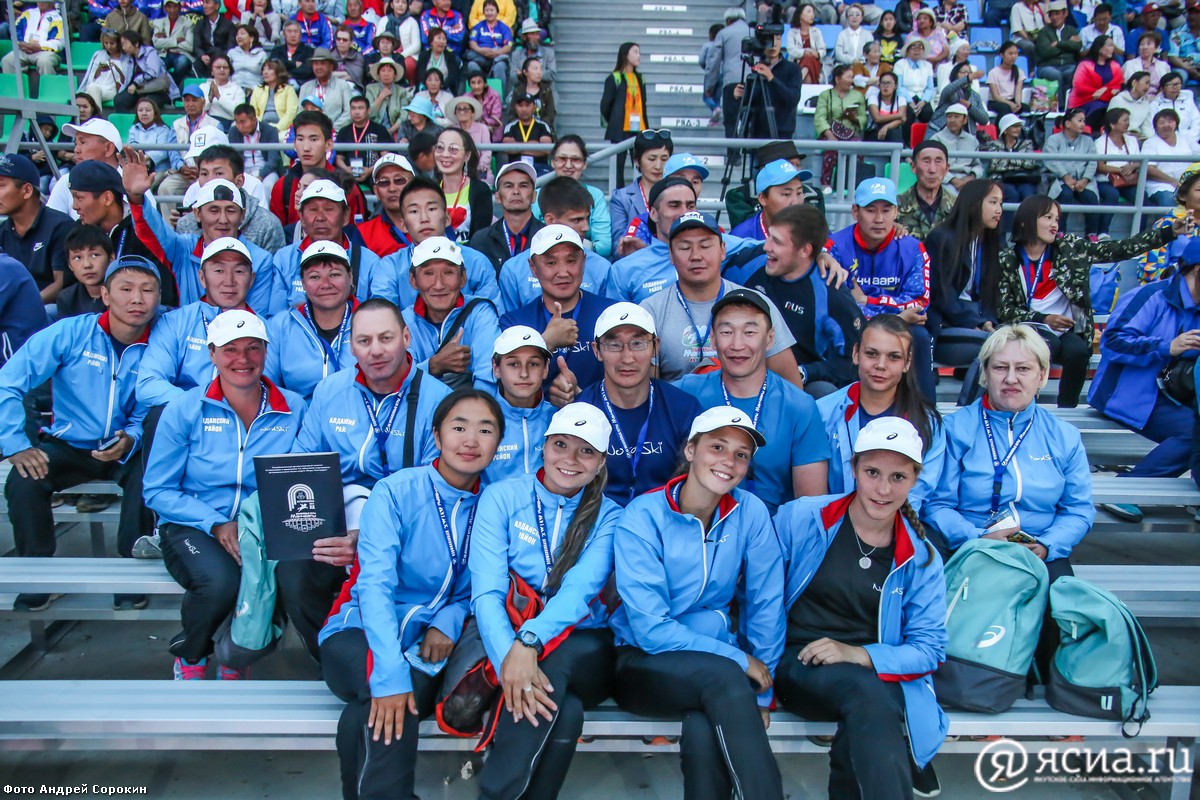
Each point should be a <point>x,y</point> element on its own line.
<point>148,546</point>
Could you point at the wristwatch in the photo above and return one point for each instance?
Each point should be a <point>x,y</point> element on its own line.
<point>530,639</point>
<point>803,372</point>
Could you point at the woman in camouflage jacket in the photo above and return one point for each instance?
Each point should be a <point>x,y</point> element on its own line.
<point>1045,280</point>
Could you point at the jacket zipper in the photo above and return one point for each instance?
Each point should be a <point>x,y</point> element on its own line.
<point>525,437</point>
<point>112,387</point>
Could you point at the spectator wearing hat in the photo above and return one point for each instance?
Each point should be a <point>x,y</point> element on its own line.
<point>387,95</point>
<point>421,119</point>
<point>201,473</point>
<point>262,15</point>
<point>1150,329</point>
<point>440,16</point>
<point>564,305</point>
<point>824,321</point>
<point>1161,263</point>
<point>520,358</point>
<point>1074,182</point>
<point>383,234</point>
<point>928,201</point>
<point>466,114</point>
<point>361,130</point>
<point>407,30</point>
<point>194,122</point>
<point>312,339</point>
<point>489,44</point>
<point>88,357</point>
<point>531,46</point>
<point>325,217</point>
<point>682,311</point>
<point>212,36</point>
<point>925,29</point>
<point>915,74</point>
<point>332,91</point>
<point>222,161</point>
<point>740,201</point>
<point>96,139</point>
<point>40,38</point>
<point>1019,177</point>
<point>778,185</point>
<point>783,81</point>
<point>173,37</point>
<point>512,233</point>
<point>1057,47</point>
<point>31,233</point>
<point>293,54</point>
<point>955,139</point>
<point>527,129</point>
<point>22,312</point>
<point>1027,18</point>
<point>1151,19</point>
<point>316,29</point>
<point>959,93</point>
<point>888,275</point>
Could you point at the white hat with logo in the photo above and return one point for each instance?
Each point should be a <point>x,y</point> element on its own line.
<point>516,337</point>
<point>619,314</point>
<point>237,324</point>
<point>324,189</point>
<point>323,251</point>
<point>437,248</point>
<point>583,420</point>
<point>890,433</point>
<point>226,244</point>
<point>551,235</point>
<point>96,127</point>
<point>726,417</point>
<point>204,138</point>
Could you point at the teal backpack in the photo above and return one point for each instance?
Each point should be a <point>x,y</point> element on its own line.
<point>995,602</point>
<point>1104,666</point>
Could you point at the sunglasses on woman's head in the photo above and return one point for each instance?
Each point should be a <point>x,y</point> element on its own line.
<point>663,135</point>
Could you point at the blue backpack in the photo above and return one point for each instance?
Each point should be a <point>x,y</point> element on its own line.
<point>1104,667</point>
<point>995,602</point>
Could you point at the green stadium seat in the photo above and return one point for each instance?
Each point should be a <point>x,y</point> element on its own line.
<point>123,122</point>
<point>498,85</point>
<point>81,54</point>
<point>906,179</point>
<point>8,85</point>
<point>192,82</point>
<point>169,119</point>
<point>5,47</point>
<point>56,89</point>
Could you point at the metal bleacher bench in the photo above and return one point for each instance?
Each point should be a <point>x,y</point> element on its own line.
<point>302,715</point>
<point>95,520</point>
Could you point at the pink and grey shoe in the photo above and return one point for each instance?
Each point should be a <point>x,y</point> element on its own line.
<point>225,673</point>
<point>190,672</point>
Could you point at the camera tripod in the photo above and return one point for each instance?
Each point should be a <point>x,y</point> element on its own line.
<point>755,88</point>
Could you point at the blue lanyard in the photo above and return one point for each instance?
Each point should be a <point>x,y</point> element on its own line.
<point>121,244</point>
<point>1000,465</point>
<point>382,434</point>
<point>263,404</point>
<point>636,455</point>
<point>541,523</point>
<point>331,355</point>
<point>762,393</point>
<point>1032,274</point>
<point>396,233</point>
<point>458,559</point>
<point>708,329</point>
<point>511,238</point>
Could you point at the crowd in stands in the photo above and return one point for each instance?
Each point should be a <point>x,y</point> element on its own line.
<point>538,393</point>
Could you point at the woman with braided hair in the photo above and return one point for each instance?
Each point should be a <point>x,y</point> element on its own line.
<point>866,612</point>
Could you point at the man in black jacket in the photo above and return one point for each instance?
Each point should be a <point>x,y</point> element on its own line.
<point>212,36</point>
<point>246,129</point>
<point>513,232</point>
<point>782,80</point>
<point>294,54</point>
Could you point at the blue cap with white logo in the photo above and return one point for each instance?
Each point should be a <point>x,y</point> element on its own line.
<point>1191,253</point>
<point>777,173</point>
<point>873,190</point>
<point>694,219</point>
<point>681,161</point>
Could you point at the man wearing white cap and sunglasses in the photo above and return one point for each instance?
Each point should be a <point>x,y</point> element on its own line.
<point>324,215</point>
<point>383,234</point>
<point>202,469</point>
<point>220,209</point>
<point>565,313</point>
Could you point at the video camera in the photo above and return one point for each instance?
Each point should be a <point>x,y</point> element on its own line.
<point>768,24</point>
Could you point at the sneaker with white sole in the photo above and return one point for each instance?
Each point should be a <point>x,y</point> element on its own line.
<point>225,673</point>
<point>925,782</point>
<point>190,672</point>
<point>34,602</point>
<point>148,546</point>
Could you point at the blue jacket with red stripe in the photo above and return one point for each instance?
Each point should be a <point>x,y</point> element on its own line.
<point>677,580</point>
<point>912,608</point>
<point>894,276</point>
<point>404,580</point>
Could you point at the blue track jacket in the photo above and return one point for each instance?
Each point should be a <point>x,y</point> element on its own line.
<point>338,422</point>
<point>912,609</point>
<point>298,358</point>
<point>839,412</point>
<point>507,538</point>
<point>1136,345</point>
<point>1047,485</point>
<point>649,270</point>
<point>287,269</point>
<point>177,354</point>
<point>518,286</point>
<point>520,451</point>
<point>182,254</point>
<point>391,280</point>
<point>894,277</point>
<point>677,582</point>
<point>202,464</point>
<point>93,388</point>
<point>479,333</point>
<point>404,579</point>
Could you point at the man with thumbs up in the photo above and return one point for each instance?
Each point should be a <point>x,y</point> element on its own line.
<point>564,314</point>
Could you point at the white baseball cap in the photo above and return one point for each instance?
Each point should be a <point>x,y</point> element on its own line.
<point>518,166</point>
<point>323,188</point>
<point>516,337</point>
<point>890,433</point>
<point>219,189</point>
<point>226,244</point>
<point>392,160</point>
<point>435,248</point>
<point>583,420</point>
<point>726,417</point>
<point>957,108</point>
<point>619,314</point>
<point>236,324</point>
<point>96,127</point>
<point>551,235</point>
<point>204,138</point>
<point>323,251</point>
